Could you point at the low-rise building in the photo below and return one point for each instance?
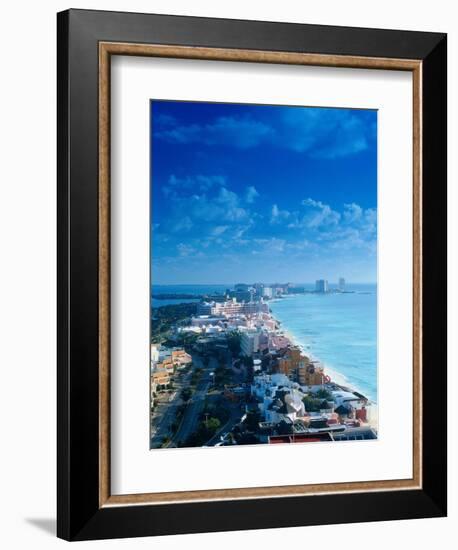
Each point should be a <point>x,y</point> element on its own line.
<point>181,358</point>
<point>206,320</point>
<point>278,341</point>
<point>168,360</point>
<point>343,397</point>
<point>257,365</point>
<point>311,373</point>
<point>160,377</point>
<point>231,307</point>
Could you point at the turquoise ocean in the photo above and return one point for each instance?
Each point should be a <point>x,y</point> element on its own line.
<point>338,329</point>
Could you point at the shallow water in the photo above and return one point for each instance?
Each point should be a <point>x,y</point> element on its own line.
<point>338,329</point>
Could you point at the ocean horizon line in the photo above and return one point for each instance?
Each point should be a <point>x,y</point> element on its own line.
<point>273,283</point>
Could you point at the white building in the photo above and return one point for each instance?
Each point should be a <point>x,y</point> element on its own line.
<point>267,292</point>
<point>249,342</point>
<point>206,320</point>
<point>257,363</point>
<point>279,397</point>
<point>154,353</point>
<point>341,397</point>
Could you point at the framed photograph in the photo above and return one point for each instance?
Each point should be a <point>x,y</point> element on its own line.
<point>252,275</point>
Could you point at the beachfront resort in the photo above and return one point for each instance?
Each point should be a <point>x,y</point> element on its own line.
<point>225,372</point>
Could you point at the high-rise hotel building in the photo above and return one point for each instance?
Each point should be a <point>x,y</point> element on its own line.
<point>321,285</point>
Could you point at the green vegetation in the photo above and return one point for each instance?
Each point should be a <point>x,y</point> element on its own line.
<point>164,317</point>
<point>176,296</point>
<point>186,394</point>
<point>252,420</point>
<point>312,404</point>
<point>212,424</point>
<point>233,343</point>
<point>178,417</point>
<point>223,375</point>
<point>216,409</point>
<point>248,362</point>
<point>205,431</point>
<point>323,394</point>
<point>185,339</point>
<point>196,376</point>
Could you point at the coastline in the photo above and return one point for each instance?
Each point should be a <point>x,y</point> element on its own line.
<point>336,376</point>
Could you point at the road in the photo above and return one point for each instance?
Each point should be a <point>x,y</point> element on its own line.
<point>191,415</point>
<point>195,406</point>
<point>166,413</point>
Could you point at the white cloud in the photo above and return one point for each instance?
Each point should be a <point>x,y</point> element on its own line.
<point>219,230</point>
<point>182,224</point>
<point>177,186</point>
<point>271,245</point>
<point>326,133</point>
<point>318,132</point>
<point>241,132</point>
<point>277,215</point>
<point>319,214</point>
<point>184,250</point>
<point>251,194</point>
<point>227,198</point>
<point>324,227</point>
<point>352,212</point>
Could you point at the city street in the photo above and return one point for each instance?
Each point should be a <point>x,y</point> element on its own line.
<point>190,419</point>
<point>195,406</point>
<point>166,412</point>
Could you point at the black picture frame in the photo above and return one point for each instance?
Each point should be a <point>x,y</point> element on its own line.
<point>80,516</point>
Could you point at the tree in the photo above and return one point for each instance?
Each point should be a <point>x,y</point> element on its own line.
<point>248,361</point>
<point>233,343</point>
<point>323,393</point>
<point>252,420</point>
<point>186,394</point>
<point>311,404</point>
<point>212,424</point>
<point>204,432</point>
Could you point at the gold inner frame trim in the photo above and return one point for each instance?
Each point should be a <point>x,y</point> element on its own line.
<point>106,50</point>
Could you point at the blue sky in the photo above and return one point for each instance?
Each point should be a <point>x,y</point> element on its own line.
<point>262,193</point>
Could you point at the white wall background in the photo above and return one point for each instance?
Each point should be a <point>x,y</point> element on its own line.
<point>27,275</point>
